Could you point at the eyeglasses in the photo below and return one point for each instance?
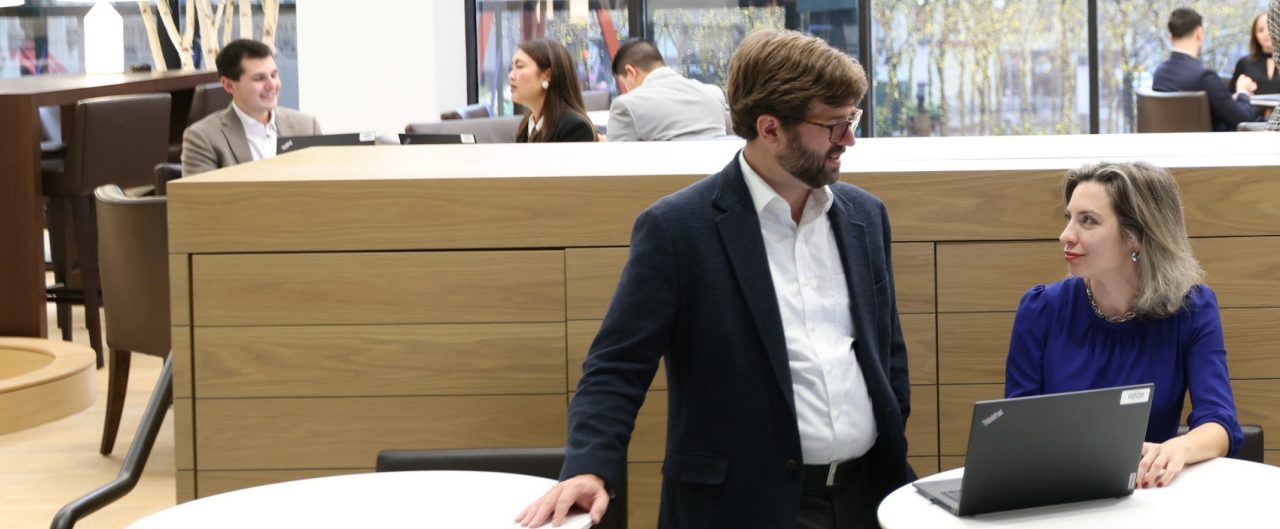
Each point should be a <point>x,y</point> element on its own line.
<point>840,128</point>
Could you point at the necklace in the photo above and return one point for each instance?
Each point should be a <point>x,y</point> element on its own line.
<point>1088,290</point>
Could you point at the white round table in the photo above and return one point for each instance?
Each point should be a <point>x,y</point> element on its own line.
<point>1217,493</point>
<point>370,501</point>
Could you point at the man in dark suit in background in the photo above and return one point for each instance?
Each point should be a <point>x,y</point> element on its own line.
<point>248,129</point>
<point>1183,72</point>
<point>768,289</point>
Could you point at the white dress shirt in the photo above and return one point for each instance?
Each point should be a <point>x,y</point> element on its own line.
<point>832,405</point>
<point>262,138</point>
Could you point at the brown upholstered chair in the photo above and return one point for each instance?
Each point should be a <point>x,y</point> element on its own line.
<point>596,100</point>
<point>115,140</point>
<point>475,111</point>
<point>206,99</point>
<point>1173,111</point>
<point>133,247</point>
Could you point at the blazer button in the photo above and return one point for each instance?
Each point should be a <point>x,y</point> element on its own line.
<point>792,465</point>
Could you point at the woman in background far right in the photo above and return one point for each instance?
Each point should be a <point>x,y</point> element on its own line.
<point>1258,64</point>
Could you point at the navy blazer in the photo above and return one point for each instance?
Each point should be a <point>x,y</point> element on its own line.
<point>1184,73</point>
<point>697,291</point>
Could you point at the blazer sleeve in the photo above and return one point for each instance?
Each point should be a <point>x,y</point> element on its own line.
<point>899,376</point>
<point>624,357</point>
<point>1225,106</point>
<point>573,128</point>
<point>198,154</point>
<point>622,123</point>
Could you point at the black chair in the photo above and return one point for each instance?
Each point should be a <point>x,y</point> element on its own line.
<point>1251,448</point>
<point>541,462</point>
<point>596,100</point>
<point>1173,112</point>
<point>476,111</point>
<point>205,99</point>
<point>165,173</point>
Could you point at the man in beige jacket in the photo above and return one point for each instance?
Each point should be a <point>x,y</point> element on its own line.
<point>248,129</point>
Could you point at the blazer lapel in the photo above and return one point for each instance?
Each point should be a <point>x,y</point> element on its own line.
<point>851,239</point>
<point>739,228</point>
<point>233,131</point>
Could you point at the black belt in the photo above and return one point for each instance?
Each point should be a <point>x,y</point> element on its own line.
<point>834,474</point>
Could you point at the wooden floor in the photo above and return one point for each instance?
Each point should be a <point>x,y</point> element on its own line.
<point>43,468</point>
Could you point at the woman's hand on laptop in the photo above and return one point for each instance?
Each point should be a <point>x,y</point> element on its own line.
<point>1161,462</point>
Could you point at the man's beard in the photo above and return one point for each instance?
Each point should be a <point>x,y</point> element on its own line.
<point>807,166</point>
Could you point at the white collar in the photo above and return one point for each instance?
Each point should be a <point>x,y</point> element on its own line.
<point>249,121</point>
<point>762,193</point>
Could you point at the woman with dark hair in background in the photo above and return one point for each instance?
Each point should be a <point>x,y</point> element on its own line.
<point>543,79</point>
<point>1259,65</point>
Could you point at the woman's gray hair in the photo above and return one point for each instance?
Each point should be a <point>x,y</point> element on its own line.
<point>1149,208</point>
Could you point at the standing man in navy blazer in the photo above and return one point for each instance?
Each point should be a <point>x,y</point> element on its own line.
<point>768,289</point>
<point>1183,72</point>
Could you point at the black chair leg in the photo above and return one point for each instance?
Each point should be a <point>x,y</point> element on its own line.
<point>117,387</point>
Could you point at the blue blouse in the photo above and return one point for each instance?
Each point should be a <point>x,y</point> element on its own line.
<point>1059,345</point>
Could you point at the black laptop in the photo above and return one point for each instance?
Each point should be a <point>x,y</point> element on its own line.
<point>436,139</point>
<point>1048,449</point>
<point>296,143</point>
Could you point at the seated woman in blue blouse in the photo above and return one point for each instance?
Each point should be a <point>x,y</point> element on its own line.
<point>1132,311</point>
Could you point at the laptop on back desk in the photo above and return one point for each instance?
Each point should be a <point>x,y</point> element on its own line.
<point>1048,449</point>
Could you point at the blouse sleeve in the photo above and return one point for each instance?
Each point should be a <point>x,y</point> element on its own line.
<point>1024,367</point>
<point>1206,368</point>
<point>1241,65</point>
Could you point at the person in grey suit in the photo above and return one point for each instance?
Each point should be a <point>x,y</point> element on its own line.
<point>247,130</point>
<point>768,290</point>
<point>659,104</point>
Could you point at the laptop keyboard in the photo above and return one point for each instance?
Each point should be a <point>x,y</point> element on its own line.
<point>953,494</point>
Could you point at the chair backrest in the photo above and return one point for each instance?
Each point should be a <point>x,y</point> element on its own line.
<point>1173,111</point>
<point>596,99</point>
<point>478,110</point>
<point>115,140</point>
<point>491,130</point>
<point>1251,448</point>
<point>541,462</point>
<point>207,99</point>
<point>165,173</point>
<point>133,255</point>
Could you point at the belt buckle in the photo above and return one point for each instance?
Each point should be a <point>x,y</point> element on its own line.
<point>831,473</point>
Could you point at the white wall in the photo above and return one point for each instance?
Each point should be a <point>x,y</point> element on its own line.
<point>375,65</point>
